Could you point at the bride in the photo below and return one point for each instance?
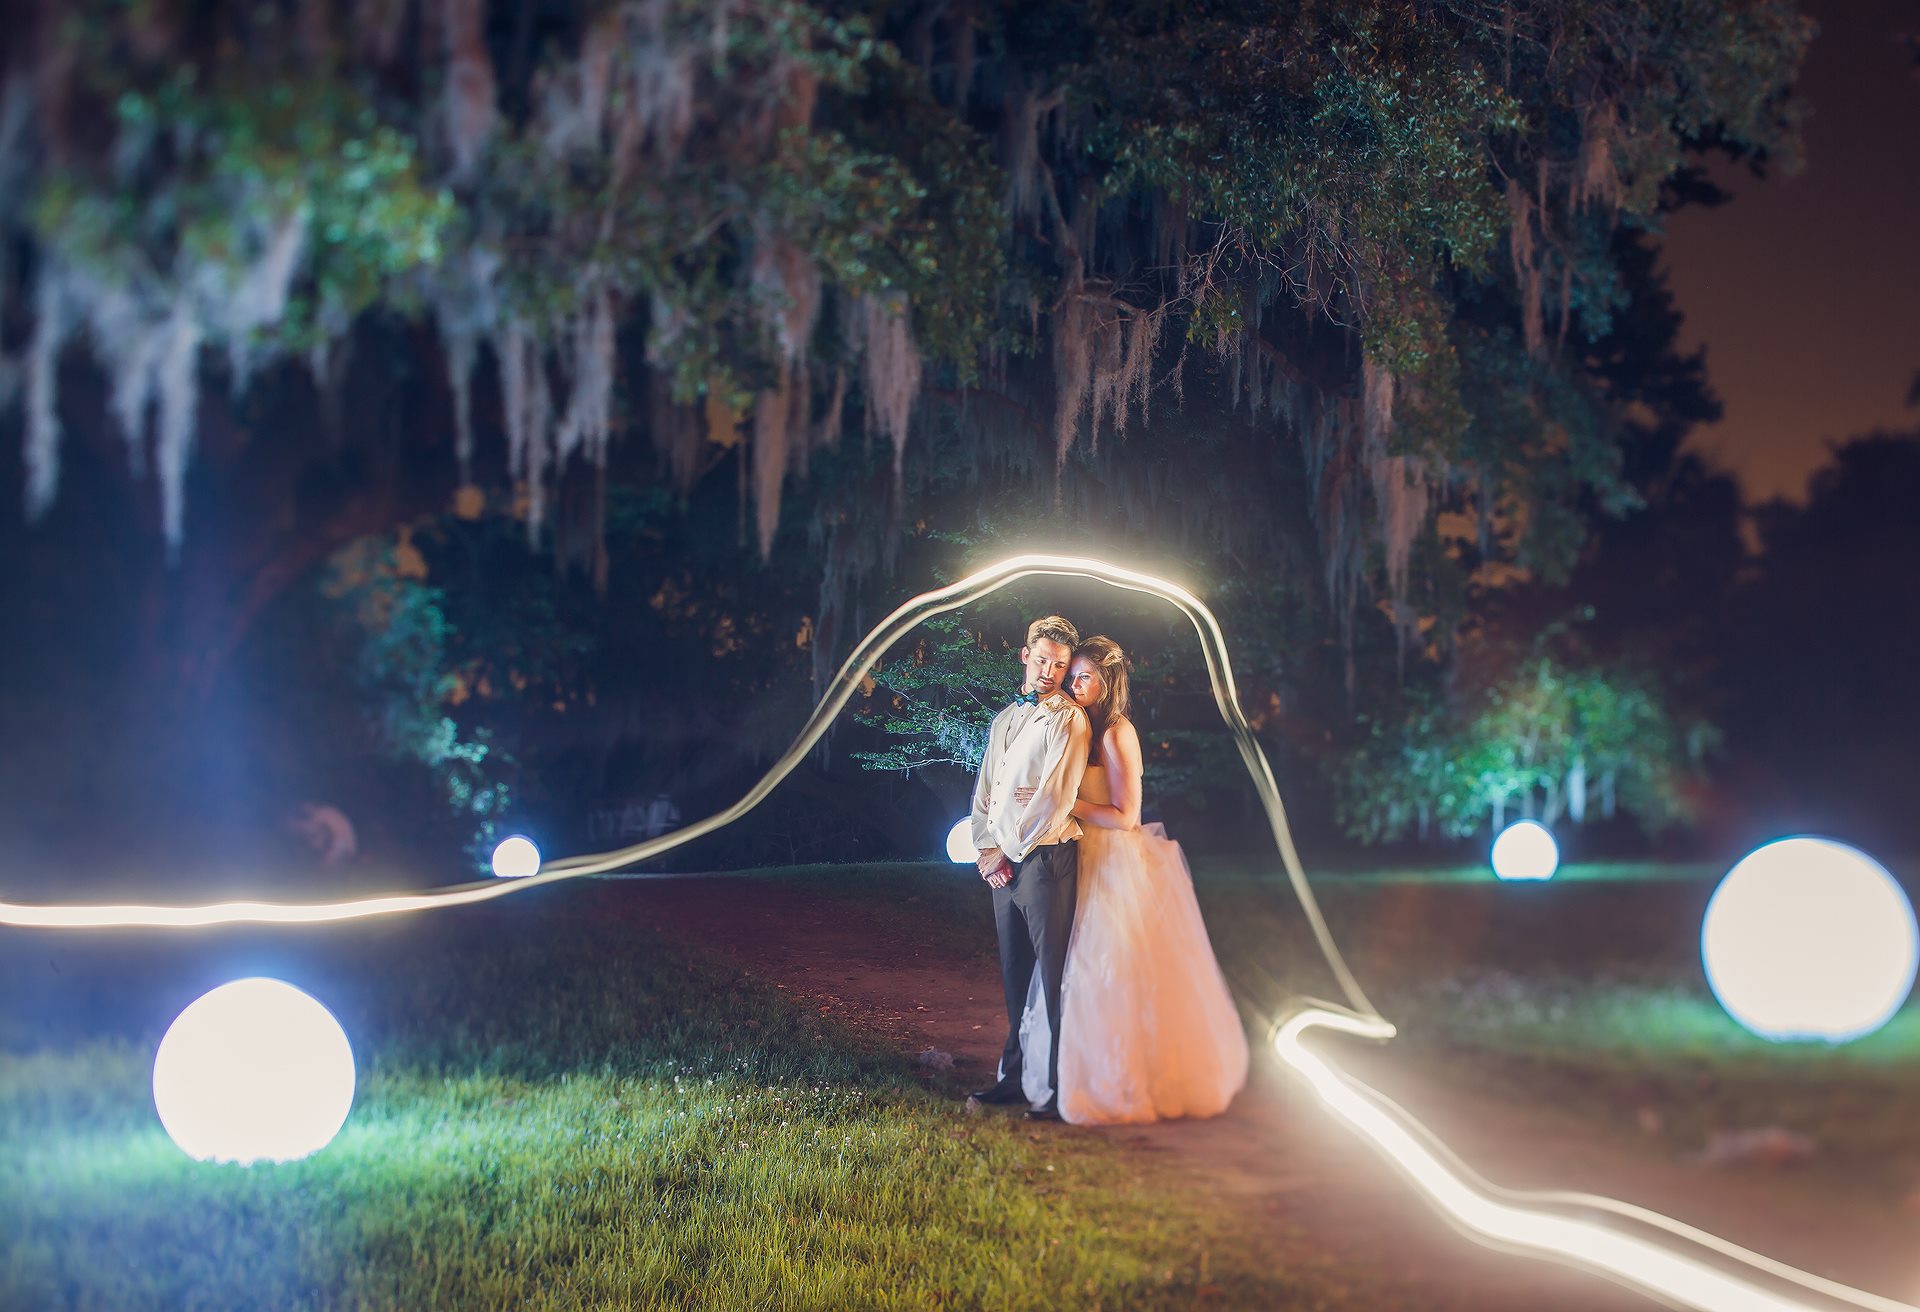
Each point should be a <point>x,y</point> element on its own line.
<point>1148,1030</point>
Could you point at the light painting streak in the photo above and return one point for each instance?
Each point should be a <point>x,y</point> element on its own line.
<point>859,663</point>
<point>1539,1224</point>
<point>1530,1223</point>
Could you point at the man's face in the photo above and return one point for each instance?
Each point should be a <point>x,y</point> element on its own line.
<point>1046,662</point>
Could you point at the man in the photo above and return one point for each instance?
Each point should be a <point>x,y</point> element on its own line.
<point>1029,848</point>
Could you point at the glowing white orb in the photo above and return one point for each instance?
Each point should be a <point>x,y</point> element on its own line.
<point>1525,850</point>
<point>253,1071</point>
<point>960,848</point>
<point>516,858</point>
<point>1810,939</point>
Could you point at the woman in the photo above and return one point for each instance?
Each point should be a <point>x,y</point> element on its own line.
<point>1148,1030</point>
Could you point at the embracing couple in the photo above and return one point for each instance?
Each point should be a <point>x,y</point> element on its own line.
<point>1116,1009</point>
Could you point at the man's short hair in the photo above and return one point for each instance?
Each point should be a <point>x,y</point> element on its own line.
<point>1053,628</point>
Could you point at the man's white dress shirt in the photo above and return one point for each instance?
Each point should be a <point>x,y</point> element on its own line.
<point>1042,747</point>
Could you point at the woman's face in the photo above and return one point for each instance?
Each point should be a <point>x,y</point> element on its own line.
<point>1084,682</point>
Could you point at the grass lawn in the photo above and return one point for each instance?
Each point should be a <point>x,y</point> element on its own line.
<point>1590,995</point>
<point>555,1110</point>
<point>1620,1048</point>
<point>1586,993</point>
<point>559,1109</point>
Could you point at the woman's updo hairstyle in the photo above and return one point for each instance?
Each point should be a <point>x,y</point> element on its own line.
<point>1116,698</point>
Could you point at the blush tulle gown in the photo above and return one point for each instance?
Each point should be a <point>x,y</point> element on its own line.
<point>1149,1031</point>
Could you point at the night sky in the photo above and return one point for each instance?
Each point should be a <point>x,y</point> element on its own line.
<point>1805,289</point>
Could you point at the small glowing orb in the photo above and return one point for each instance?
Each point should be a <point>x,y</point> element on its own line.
<point>253,1071</point>
<point>1810,939</point>
<point>960,848</point>
<point>516,858</point>
<point>1525,850</point>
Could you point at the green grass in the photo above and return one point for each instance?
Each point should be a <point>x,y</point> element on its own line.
<point>1585,994</point>
<point>555,1110</point>
<point>1589,998</point>
<point>1615,1048</point>
<point>1579,873</point>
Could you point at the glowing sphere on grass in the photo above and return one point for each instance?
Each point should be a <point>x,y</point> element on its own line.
<point>960,848</point>
<point>253,1071</point>
<point>1525,850</point>
<point>1810,939</point>
<point>516,858</point>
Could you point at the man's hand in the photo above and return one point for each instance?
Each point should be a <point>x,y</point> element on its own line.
<point>995,868</point>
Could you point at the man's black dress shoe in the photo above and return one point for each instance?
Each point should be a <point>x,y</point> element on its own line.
<point>999,1095</point>
<point>1046,1111</point>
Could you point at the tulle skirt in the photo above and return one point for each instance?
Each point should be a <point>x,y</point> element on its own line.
<point>1149,1030</point>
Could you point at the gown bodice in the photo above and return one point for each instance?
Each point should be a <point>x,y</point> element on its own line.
<point>1093,785</point>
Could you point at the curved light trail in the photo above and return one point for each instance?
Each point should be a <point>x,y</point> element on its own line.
<point>1644,1250</point>
<point>1650,1253</point>
<point>859,663</point>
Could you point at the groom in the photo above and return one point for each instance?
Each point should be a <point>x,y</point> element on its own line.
<point>1029,849</point>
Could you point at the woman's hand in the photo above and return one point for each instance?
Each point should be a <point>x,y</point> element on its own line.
<point>1021,796</point>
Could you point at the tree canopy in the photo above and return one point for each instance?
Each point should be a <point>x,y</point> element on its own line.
<point>1345,305</point>
<point>1395,221</point>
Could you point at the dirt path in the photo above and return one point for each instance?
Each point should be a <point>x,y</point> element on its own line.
<point>1331,1202</point>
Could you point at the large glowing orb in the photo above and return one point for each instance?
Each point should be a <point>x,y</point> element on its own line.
<point>516,858</point>
<point>253,1071</point>
<point>1810,939</point>
<point>1525,850</point>
<point>960,848</point>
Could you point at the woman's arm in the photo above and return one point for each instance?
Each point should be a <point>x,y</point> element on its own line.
<point>1120,754</point>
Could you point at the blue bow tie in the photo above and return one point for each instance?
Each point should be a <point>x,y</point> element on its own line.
<point>1026,699</point>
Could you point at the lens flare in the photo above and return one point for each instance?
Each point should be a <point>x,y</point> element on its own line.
<point>1525,850</point>
<point>253,1071</point>
<point>1809,939</point>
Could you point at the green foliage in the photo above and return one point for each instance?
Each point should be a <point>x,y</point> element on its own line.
<point>1355,134</point>
<point>928,224</point>
<point>886,192</point>
<point>475,793</point>
<point>1538,741</point>
<point>1283,188</point>
<point>938,700</point>
<point>407,674</point>
<point>208,164</point>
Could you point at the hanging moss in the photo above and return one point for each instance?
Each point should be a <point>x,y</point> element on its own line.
<point>1063,199</point>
